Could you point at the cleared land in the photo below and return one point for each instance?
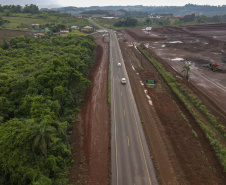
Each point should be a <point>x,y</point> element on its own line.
<point>195,45</point>
<point>90,138</point>
<point>181,152</point>
<point>8,34</point>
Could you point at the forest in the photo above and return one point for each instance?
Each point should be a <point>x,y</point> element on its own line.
<point>42,82</point>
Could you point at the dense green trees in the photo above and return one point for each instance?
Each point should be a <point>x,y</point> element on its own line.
<point>128,22</point>
<point>33,9</point>
<point>95,12</point>
<point>2,21</point>
<point>203,19</point>
<point>42,81</point>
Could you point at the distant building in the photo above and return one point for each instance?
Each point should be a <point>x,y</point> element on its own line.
<point>75,28</point>
<point>108,17</point>
<point>64,32</point>
<point>154,17</point>
<point>79,16</point>
<point>88,28</point>
<point>177,16</point>
<point>38,34</point>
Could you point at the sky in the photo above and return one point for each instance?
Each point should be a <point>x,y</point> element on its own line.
<point>87,3</point>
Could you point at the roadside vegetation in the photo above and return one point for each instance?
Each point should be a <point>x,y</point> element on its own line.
<point>214,131</point>
<point>42,82</point>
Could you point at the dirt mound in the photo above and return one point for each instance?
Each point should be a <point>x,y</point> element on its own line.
<point>90,141</point>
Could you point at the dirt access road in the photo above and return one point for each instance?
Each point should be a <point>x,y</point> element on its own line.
<point>90,138</point>
<point>181,152</point>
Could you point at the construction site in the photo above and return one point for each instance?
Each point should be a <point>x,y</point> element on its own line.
<point>181,150</point>
<point>182,154</point>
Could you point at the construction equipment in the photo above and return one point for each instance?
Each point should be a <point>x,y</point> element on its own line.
<point>213,66</point>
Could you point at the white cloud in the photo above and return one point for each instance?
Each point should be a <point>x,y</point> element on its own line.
<point>39,3</point>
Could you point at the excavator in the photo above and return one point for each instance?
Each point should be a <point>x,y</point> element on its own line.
<point>213,66</point>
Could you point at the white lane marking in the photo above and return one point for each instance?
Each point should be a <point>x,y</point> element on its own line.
<point>128,140</point>
<point>116,157</point>
<point>135,120</point>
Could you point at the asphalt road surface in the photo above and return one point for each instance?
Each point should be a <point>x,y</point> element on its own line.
<point>131,162</point>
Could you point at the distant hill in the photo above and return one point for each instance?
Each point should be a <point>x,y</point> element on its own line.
<point>176,10</point>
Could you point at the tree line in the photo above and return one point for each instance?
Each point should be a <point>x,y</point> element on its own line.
<point>7,9</point>
<point>42,82</point>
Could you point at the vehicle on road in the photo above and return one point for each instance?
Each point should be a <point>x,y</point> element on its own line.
<point>123,81</point>
<point>119,64</point>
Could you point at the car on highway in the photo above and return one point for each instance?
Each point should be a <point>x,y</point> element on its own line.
<point>119,64</point>
<point>123,81</point>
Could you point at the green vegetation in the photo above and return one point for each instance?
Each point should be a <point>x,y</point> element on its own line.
<point>195,134</point>
<point>186,69</point>
<point>42,82</point>
<point>107,23</point>
<point>142,11</point>
<point>9,9</point>
<point>95,12</point>
<point>128,22</point>
<point>191,103</point>
<point>25,21</point>
<point>76,32</point>
<point>23,18</point>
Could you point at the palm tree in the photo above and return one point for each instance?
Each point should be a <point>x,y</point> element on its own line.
<point>42,137</point>
<point>186,68</point>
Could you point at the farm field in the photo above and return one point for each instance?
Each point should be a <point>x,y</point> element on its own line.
<point>8,34</point>
<point>16,22</point>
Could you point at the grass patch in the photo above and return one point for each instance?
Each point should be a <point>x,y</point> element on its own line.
<point>76,32</point>
<point>195,134</point>
<point>16,22</point>
<point>20,21</point>
<point>150,86</point>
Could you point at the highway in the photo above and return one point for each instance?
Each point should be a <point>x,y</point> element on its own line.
<point>131,162</point>
<point>130,157</point>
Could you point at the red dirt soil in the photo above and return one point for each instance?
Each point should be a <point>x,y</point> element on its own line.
<point>179,156</point>
<point>197,45</point>
<point>91,146</point>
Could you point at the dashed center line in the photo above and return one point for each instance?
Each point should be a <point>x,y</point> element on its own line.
<point>128,140</point>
